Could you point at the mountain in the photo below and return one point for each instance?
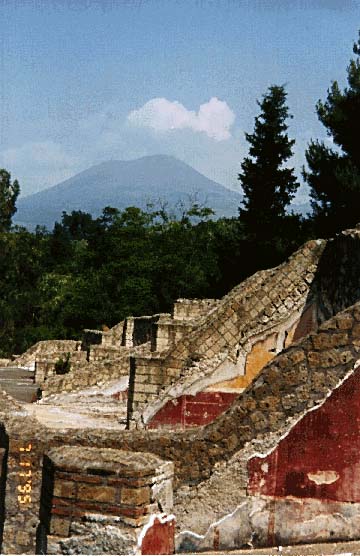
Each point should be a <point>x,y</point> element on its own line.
<point>121,184</point>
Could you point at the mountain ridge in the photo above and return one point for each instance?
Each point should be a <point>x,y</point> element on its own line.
<point>122,183</point>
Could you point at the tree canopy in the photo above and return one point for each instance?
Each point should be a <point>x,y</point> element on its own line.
<point>333,172</point>
<point>268,185</point>
<point>9,192</point>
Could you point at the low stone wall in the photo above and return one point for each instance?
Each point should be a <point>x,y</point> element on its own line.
<point>192,309</point>
<point>107,353</point>
<point>86,374</point>
<point>115,336</point>
<point>45,348</point>
<point>105,364</point>
<point>166,332</point>
<point>45,368</point>
<point>5,362</point>
<point>105,501</point>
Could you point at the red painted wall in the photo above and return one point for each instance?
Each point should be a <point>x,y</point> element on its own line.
<point>324,444</point>
<point>159,538</point>
<point>190,411</point>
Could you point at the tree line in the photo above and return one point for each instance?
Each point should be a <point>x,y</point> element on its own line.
<point>91,272</point>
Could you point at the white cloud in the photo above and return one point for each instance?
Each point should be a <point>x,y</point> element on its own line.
<point>214,118</point>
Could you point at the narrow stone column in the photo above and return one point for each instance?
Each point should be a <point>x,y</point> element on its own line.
<point>105,502</point>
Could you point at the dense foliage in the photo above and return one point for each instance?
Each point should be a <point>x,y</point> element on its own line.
<point>268,233</point>
<point>268,185</point>
<point>9,192</point>
<point>89,272</point>
<point>334,171</point>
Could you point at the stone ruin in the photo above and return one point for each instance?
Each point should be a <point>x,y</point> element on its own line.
<point>227,424</point>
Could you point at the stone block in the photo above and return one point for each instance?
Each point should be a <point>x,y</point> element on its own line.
<point>249,403</point>
<point>65,489</point>
<point>344,322</point>
<point>59,526</point>
<point>135,496</point>
<point>96,493</point>
<point>329,358</point>
<point>259,420</point>
<point>140,398</point>
<point>319,381</point>
<point>151,388</point>
<point>162,492</point>
<point>326,341</point>
<point>77,477</point>
<point>270,403</point>
<point>296,356</point>
<point>289,401</point>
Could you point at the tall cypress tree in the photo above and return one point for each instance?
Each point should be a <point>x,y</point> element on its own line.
<point>334,174</point>
<point>268,185</point>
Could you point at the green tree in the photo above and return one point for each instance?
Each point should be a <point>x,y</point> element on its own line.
<point>9,192</point>
<point>268,185</point>
<point>334,171</point>
<point>22,260</point>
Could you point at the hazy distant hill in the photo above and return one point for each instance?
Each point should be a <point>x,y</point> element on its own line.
<point>126,183</point>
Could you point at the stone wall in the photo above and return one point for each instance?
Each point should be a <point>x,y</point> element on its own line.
<point>219,376</point>
<point>114,336</point>
<point>45,348</point>
<point>87,373</point>
<point>45,365</point>
<point>192,309</point>
<point>267,307</point>
<point>336,284</point>
<point>104,355</point>
<point>167,331</point>
<point>211,463</point>
<point>103,501</point>
<point>137,330</point>
<point>281,464</point>
<point>298,474</point>
<point>4,362</point>
<point>331,284</point>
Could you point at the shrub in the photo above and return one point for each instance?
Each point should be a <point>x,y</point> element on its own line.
<point>63,366</point>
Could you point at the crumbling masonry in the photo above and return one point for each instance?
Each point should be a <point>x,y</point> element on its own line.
<point>230,423</point>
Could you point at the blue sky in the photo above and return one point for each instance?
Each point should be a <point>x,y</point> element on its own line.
<point>88,81</point>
